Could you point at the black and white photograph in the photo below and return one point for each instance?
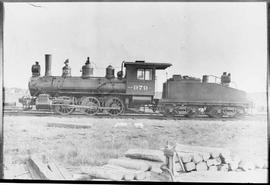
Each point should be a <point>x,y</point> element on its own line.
<point>134,91</point>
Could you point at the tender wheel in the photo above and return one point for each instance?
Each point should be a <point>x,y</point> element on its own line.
<point>117,106</point>
<point>93,104</point>
<point>240,113</point>
<point>192,112</point>
<point>215,112</point>
<point>64,109</point>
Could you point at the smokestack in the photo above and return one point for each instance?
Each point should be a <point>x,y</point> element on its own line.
<point>48,62</point>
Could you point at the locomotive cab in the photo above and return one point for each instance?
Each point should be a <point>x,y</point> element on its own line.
<point>140,80</point>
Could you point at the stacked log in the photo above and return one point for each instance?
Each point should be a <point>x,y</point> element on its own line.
<point>134,166</point>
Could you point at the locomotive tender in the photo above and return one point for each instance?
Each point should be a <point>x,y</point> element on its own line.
<point>133,87</point>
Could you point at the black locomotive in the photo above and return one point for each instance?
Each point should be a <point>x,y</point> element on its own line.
<point>133,87</point>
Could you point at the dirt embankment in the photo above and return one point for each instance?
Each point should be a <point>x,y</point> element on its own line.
<point>93,141</point>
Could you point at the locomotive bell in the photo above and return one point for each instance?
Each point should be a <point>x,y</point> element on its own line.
<point>109,72</point>
<point>87,70</point>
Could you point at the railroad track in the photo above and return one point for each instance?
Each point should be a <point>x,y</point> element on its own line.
<point>20,112</point>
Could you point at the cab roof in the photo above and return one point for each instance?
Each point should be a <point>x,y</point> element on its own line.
<point>143,64</point>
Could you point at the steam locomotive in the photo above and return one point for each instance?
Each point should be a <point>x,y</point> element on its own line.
<point>133,87</point>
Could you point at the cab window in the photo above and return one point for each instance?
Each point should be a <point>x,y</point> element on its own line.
<point>148,74</point>
<point>140,74</point>
<point>144,74</point>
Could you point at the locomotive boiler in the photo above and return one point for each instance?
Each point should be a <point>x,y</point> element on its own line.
<point>90,94</point>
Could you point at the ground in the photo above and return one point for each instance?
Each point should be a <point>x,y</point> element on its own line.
<point>79,141</point>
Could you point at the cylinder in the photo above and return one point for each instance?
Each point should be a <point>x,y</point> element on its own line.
<point>205,79</point>
<point>48,62</point>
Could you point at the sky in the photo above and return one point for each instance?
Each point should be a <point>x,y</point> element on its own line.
<point>196,38</point>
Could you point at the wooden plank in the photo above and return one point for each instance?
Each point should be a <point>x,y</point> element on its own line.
<point>42,167</point>
<point>34,170</point>
<point>63,171</point>
<point>73,126</point>
<point>138,165</point>
<point>146,154</point>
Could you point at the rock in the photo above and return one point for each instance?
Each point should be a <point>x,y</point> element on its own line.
<point>196,158</point>
<point>246,165</point>
<point>139,125</point>
<point>218,161</point>
<point>213,162</point>
<point>215,154</point>
<point>201,166</point>
<point>223,167</point>
<point>186,158</point>
<point>190,166</point>
<point>259,163</point>
<point>120,124</point>
<point>225,158</point>
<point>233,165</point>
<point>210,162</point>
<point>212,168</point>
<point>178,167</point>
<point>205,156</point>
